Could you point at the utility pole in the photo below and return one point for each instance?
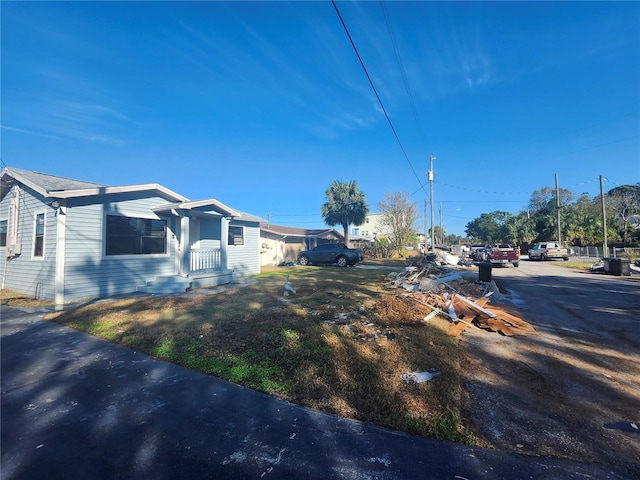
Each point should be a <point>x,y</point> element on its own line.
<point>558,209</point>
<point>426,232</point>
<point>605,247</point>
<point>431,175</point>
<point>441,226</point>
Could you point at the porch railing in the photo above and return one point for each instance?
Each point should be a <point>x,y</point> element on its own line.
<point>201,261</point>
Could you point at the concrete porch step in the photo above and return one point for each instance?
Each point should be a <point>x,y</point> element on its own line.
<point>165,285</point>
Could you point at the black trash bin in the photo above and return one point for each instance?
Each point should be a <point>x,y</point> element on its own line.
<point>615,266</point>
<point>484,271</point>
<point>607,264</point>
<point>625,267</point>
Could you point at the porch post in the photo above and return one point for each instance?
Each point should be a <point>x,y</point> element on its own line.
<point>61,234</point>
<point>185,242</point>
<point>224,240</point>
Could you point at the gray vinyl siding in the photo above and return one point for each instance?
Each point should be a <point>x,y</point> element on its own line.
<point>85,271</point>
<point>245,259</point>
<point>89,272</point>
<point>33,276</point>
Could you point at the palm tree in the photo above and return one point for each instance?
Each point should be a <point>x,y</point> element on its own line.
<point>345,206</point>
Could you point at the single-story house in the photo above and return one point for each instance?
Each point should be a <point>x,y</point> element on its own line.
<point>280,244</point>
<point>68,240</point>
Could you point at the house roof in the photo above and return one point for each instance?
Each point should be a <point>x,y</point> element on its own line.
<point>250,218</point>
<point>297,232</point>
<point>44,183</point>
<point>52,186</point>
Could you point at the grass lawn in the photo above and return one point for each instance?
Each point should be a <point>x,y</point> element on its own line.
<point>14,299</point>
<point>577,265</point>
<point>300,348</point>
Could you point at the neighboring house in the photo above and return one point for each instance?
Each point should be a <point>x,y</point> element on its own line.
<point>65,240</point>
<point>280,245</point>
<point>371,228</point>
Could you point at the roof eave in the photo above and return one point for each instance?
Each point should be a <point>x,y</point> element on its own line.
<point>219,207</point>
<point>25,181</point>
<point>87,192</point>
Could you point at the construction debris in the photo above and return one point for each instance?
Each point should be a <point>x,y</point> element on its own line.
<point>420,377</point>
<point>288,288</point>
<point>452,294</point>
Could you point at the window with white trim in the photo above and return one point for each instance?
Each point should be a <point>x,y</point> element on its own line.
<point>135,236</point>
<point>236,236</point>
<point>38,241</point>
<point>3,233</point>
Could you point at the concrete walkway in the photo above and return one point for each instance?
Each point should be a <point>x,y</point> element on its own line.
<point>76,407</point>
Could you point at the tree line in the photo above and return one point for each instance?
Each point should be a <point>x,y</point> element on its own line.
<point>581,219</point>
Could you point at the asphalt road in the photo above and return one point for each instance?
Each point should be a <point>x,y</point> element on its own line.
<point>557,298</point>
<point>573,390</point>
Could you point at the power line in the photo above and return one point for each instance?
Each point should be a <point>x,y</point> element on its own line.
<point>481,191</point>
<point>294,215</point>
<point>467,189</point>
<point>483,201</point>
<point>384,110</point>
<point>402,71</point>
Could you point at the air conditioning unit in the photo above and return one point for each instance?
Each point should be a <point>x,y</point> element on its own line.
<point>14,250</point>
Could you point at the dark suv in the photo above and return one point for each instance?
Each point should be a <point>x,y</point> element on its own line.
<point>330,253</point>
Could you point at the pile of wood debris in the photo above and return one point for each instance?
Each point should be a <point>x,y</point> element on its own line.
<point>441,290</point>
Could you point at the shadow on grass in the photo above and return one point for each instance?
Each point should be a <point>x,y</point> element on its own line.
<point>293,347</point>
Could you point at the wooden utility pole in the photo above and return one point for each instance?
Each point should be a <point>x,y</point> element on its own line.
<point>426,232</point>
<point>558,209</point>
<point>605,247</point>
<point>431,175</point>
<point>441,226</point>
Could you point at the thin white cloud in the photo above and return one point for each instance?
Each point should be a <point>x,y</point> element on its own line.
<point>83,120</point>
<point>476,70</point>
<point>28,132</point>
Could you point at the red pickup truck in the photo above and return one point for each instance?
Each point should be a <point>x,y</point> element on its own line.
<point>501,254</point>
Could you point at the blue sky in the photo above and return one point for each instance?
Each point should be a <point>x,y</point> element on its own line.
<point>262,105</point>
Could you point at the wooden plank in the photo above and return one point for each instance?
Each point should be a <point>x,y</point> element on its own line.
<point>457,329</point>
<point>481,302</point>
<point>499,326</point>
<point>476,307</point>
<point>462,309</point>
<point>514,321</point>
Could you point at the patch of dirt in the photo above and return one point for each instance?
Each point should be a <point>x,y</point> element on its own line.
<point>552,395</point>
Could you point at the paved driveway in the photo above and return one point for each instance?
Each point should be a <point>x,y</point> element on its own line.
<point>74,406</point>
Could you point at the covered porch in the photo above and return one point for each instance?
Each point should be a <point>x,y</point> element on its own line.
<point>200,230</point>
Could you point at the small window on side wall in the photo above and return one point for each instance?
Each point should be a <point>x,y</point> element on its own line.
<point>38,244</point>
<point>3,233</point>
<point>236,236</point>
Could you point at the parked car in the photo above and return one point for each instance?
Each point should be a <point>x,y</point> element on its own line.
<point>475,251</point>
<point>501,254</point>
<point>549,250</point>
<point>330,253</point>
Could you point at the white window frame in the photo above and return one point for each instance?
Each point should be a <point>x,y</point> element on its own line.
<point>244,237</point>
<point>117,213</point>
<point>6,233</point>
<point>44,235</point>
